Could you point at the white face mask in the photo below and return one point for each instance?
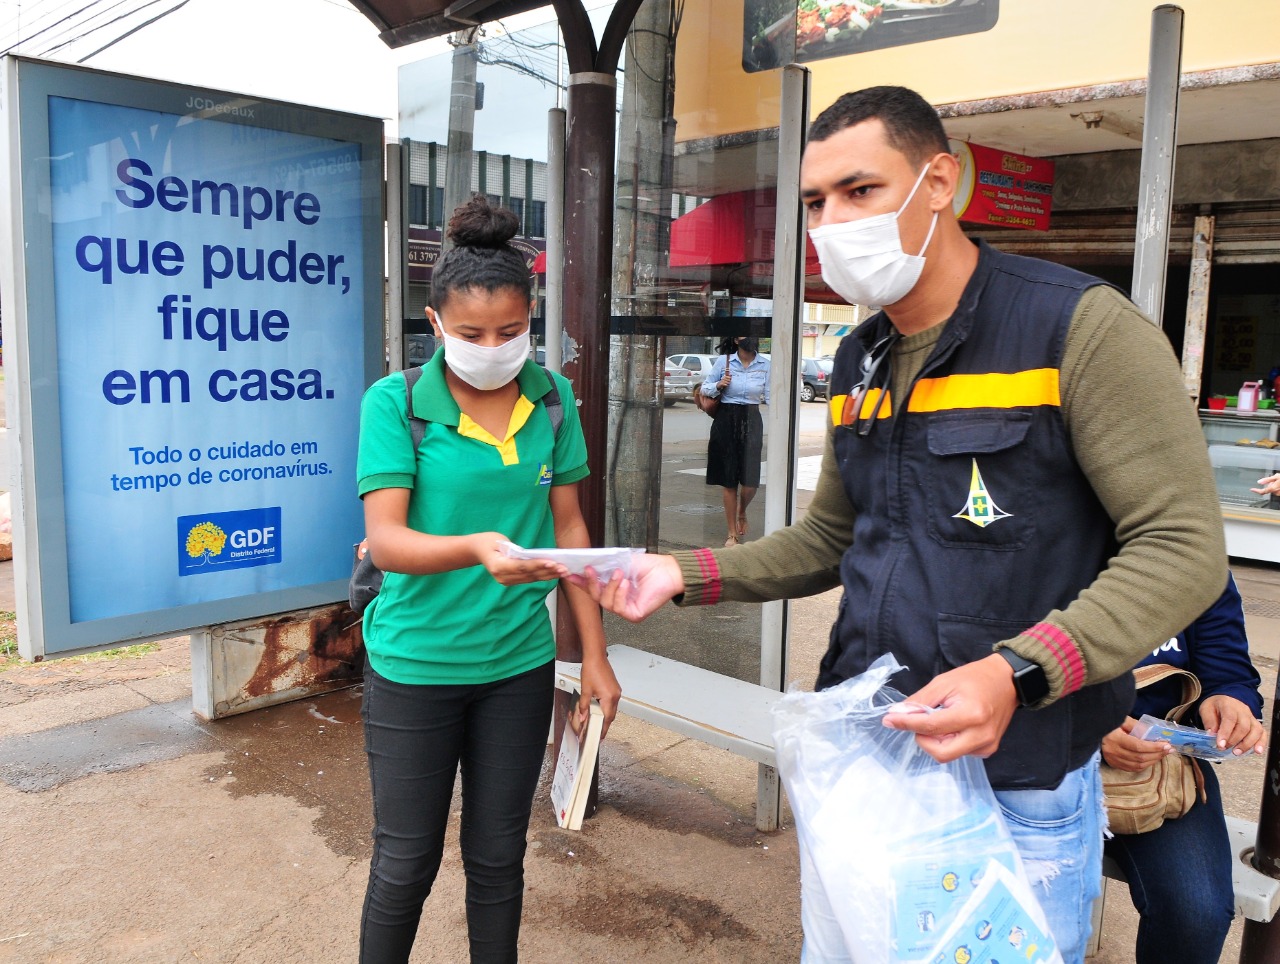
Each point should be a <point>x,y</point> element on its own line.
<point>863,261</point>
<point>481,367</point>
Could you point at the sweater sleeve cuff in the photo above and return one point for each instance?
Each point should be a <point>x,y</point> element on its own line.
<point>701,574</point>
<point>1057,653</point>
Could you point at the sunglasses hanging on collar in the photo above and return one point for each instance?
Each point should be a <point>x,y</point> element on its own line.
<point>877,370</point>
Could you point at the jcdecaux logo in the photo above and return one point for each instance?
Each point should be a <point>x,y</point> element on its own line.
<point>218,541</point>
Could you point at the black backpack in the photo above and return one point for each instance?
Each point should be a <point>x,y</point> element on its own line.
<point>366,578</point>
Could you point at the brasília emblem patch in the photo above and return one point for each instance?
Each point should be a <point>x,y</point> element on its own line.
<point>979,507</point>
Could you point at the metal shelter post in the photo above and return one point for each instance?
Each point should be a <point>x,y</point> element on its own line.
<point>1261,943</point>
<point>554,336</point>
<point>788,301</point>
<point>1159,145</point>
<point>397,221</point>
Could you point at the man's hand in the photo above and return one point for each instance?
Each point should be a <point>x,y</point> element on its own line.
<point>974,704</point>
<point>656,580</point>
<point>1124,751</point>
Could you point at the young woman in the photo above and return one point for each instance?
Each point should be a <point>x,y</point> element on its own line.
<point>741,381</point>
<point>460,650</point>
<point>1180,873</point>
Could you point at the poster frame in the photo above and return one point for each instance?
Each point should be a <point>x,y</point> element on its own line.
<point>33,407</point>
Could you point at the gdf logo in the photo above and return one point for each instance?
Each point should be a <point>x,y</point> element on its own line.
<point>218,541</point>
<point>250,538</point>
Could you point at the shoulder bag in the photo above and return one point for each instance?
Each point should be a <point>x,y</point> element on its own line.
<point>1141,801</point>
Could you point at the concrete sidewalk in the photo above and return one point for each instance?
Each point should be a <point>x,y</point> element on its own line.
<point>130,831</point>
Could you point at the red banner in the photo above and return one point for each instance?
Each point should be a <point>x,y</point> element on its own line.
<point>1002,188</point>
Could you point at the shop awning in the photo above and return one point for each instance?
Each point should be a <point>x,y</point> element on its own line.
<point>735,228</point>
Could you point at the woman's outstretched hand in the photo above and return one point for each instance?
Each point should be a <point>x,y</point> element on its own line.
<point>504,569</point>
<point>656,579</point>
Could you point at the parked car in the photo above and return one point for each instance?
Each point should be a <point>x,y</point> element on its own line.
<point>677,382</point>
<point>699,365</point>
<point>815,378</point>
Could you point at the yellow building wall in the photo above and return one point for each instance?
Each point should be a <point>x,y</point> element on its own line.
<point>1036,45</point>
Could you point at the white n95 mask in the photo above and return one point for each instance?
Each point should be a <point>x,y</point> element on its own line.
<point>863,261</point>
<point>482,367</point>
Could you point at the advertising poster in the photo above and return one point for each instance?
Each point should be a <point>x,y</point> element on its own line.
<point>779,32</point>
<point>209,299</point>
<point>1002,188</point>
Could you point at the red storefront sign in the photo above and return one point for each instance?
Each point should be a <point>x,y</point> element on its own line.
<point>1002,188</point>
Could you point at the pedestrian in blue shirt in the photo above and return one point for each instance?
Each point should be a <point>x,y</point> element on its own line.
<point>740,380</point>
<point>1180,873</point>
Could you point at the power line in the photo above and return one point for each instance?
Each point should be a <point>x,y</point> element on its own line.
<point>130,33</point>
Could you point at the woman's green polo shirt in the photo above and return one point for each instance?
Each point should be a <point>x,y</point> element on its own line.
<point>463,626</point>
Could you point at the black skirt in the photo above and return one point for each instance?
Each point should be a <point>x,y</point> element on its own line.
<point>733,450</point>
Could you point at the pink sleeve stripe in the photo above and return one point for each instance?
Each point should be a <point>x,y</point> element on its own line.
<point>1063,648</point>
<point>710,575</point>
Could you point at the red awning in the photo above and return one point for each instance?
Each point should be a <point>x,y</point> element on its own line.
<point>733,228</point>
<point>540,263</point>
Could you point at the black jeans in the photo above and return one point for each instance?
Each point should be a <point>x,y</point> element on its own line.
<point>417,737</point>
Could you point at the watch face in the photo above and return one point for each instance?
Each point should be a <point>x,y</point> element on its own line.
<point>1031,683</point>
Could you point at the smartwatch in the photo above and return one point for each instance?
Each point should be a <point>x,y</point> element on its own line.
<point>1029,680</point>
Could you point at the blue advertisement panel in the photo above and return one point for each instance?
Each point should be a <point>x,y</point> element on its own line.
<point>213,263</point>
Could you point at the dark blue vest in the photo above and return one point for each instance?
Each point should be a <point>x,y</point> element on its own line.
<point>974,521</point>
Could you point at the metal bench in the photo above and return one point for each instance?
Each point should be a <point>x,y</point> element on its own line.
<point>1257,895</point>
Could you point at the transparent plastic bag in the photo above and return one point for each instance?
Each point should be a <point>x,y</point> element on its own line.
<point>903,859</point>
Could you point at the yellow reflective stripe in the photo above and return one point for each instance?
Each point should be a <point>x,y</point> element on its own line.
<point>997,390</point>
<point>869,399</point>
<point>468,428</point>
<point>836,406</point>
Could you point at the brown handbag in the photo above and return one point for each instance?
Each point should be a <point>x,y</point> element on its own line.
<point>708,405</point>
<point>1143,800</point>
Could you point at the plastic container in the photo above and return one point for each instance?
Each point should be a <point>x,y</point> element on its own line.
<point>1266,403</point>
<point>1247,400</point>
<point>1231,401</point>
<point>1217,403</point>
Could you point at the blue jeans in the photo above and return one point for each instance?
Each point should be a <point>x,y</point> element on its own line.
<point>1059,835</point>
<point>1180,881</point>
<point>417,738</point>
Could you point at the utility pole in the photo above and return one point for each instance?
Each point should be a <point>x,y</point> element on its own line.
<point>640,228</point>
<point>462,125</point>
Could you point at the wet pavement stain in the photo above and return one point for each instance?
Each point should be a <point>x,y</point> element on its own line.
<point>309,750</point>
<point>639,913</point>
<point>35,762</point>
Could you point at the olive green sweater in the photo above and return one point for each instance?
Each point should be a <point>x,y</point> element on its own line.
<point>1138,442</point>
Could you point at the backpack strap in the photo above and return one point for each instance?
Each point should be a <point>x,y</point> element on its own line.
<point>555,408</point>
<point>417,426</point>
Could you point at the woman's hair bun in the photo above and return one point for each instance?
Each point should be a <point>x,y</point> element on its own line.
<point>479,224</point>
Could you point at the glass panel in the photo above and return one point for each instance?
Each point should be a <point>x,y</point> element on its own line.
<point>693,266</point>
<point>481,111</point>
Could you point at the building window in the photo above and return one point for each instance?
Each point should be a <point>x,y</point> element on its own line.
<point>537,227</point>
<point>495,200</point>
<point>437,208</point>
<point>418,204</point>
<point>517,208</point>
